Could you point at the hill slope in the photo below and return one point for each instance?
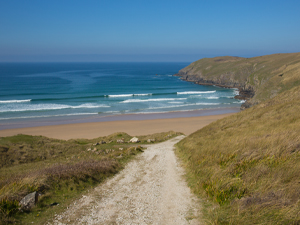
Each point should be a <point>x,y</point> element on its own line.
<point>248,164</point>
<point>258,78</point>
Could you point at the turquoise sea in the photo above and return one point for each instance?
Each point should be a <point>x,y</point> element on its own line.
<point>60,91</point>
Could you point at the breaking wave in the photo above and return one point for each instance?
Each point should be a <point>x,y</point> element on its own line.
<point>152,100</point>
<point>127,95</point>
<point>46,107</point>
<point>15,101</point>
<point>194,92</point>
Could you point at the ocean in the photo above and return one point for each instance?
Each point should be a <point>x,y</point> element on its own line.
<point>61,91</point>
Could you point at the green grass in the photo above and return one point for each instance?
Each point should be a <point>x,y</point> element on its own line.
<point>59,170</point>
<point>247,165</point>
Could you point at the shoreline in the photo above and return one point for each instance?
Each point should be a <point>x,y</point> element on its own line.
<point>60,120</point>
<point>133,124</point>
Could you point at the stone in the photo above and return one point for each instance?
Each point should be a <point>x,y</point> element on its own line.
<point>102,142</point>
<point>29,201</point>
<point>150,140</point>
<point>120,141</point>
<point>121,149</point>
<point>134,140</point>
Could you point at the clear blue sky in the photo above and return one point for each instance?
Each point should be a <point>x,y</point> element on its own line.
<point>146,30</point>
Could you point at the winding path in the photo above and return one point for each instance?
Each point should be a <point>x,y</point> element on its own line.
<point>150,190</point>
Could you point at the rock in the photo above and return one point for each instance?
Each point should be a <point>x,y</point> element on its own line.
<point>246,105</point>
<point>29,201</point>
<point>121,149</point>
<point>102,142</point>
<point>134,140</point>
<point>150,140</point>
<point>120,141</point>
<point>89,149</point>
<point>96,144</point>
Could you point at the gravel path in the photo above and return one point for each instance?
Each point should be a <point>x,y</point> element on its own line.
<point>150,190</point>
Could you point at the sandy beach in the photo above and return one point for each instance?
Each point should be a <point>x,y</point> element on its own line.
<point>186,125</point>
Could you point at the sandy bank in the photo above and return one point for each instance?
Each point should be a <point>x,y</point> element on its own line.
<point>132,127</point>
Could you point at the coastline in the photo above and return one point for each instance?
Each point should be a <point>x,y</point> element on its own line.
<point>134,124</point>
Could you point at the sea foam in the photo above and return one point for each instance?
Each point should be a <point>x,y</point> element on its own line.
<point>45,116</point>
<point>194,92</point>
<point>15,101</point>
<point>46,107</point>
<point>211,97</point>
<point>183,105</point>
<point>127,95</point>
<point>151,100</point>
<point>119,96</point>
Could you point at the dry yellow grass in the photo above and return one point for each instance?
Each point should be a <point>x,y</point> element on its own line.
<point>248,164</point>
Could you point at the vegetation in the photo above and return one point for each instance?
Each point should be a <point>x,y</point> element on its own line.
<point>266,75</point>
<point>59,170</point>
<point>246,166</point>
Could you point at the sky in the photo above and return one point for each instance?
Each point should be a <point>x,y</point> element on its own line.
<point>145,30</point>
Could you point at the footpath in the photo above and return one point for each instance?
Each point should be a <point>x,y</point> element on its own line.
<point>150,190</point>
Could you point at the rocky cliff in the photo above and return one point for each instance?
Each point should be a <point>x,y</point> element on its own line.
<point>257,79</point>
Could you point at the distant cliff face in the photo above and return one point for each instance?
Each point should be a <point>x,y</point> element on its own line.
<point>257,79</point>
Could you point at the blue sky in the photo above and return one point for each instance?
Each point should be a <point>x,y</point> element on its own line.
<point>146,30</point>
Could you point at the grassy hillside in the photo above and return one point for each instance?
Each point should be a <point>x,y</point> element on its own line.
<point>59,170</point>
<point>246,167</point>
<point>265,76</point>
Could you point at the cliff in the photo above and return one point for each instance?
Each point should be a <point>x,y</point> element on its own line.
<point>258,78</point>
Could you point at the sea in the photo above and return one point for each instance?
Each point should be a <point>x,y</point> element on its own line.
<point>61,92</point>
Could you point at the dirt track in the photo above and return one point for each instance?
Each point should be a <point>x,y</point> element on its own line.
<point>150,190</point>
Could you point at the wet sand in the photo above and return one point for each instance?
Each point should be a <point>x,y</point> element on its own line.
<point>186,125</point>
